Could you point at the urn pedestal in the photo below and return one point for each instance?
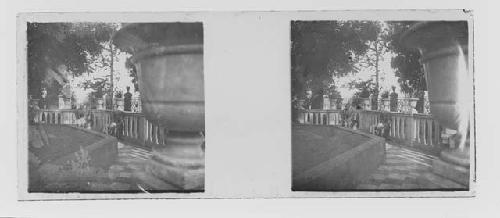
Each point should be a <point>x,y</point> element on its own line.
<point>443,46</point>
<point>169,62</point>
<point>386,104</point>
<point>326,102</point>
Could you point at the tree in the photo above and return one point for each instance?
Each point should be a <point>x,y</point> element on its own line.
<point>59,50</point>
<point>364,90</point>
<point>376,51</point>
<point>132,72</point>
<point>322,50</point>
<point>406,63</point>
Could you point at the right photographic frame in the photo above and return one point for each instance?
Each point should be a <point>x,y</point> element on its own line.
<point>382,105</point>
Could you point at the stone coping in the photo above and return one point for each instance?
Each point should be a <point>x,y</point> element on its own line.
<point>344,170</point>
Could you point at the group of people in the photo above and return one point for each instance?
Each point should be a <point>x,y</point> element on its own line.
<point>350,116</point>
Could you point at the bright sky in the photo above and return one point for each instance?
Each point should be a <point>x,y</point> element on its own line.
<point>387,79</point>
<point>121,78</point>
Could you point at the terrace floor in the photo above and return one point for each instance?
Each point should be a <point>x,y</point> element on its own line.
<point>406,169</point>
<point>131,165</point>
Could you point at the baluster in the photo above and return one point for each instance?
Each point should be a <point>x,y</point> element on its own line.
<point>398,128</point>
<point>439,130</point>
<point>141,127</point>
<point>132,121</point>
<point>130,128</point>
<point>394,126</point>
<point>162,135</point>
<point>153,133</point>
<point>404,128</point>
<point>424,124</point>
<point>157,141</point>
<point>146,129</point>
<point>135,126</point>
<point>437,133</point>
<point>150,132</point>
<point>126,126</point>
<point>422,131</point>
<point>417,130</point>
<point>401,128</point>
<point>429,122</point>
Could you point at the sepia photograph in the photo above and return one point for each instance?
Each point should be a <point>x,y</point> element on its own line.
<point>381,105</point>
<point>115,107</point>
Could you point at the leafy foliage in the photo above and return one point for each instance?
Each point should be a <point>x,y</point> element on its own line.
<point>71,45</point>
<point>365,88</point>
<point>99,85</point>
<point>322,50</point>
<point>132,72</point>
<point>406,62</point>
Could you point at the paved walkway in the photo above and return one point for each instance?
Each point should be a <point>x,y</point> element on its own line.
<point>131,166</point>
<point>405,169</point>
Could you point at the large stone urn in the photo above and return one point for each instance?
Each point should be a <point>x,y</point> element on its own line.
<point>443,46</point>
<point>169,62</point>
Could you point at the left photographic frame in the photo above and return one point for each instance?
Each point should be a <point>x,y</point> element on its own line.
<point>110,108</point>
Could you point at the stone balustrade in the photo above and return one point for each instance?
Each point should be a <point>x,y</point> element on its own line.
<point>320,117</point>
<point>409,129</point>
<point>136,129</point>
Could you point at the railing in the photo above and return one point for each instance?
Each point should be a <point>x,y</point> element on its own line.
<point>100,120</point>
<point>320,117</point>
<point>410,129</point>
<point>135,129</point>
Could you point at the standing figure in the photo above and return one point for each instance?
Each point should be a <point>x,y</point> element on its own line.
<point>394,100</point>
<point>43,101</point>
<point>127,105</point>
